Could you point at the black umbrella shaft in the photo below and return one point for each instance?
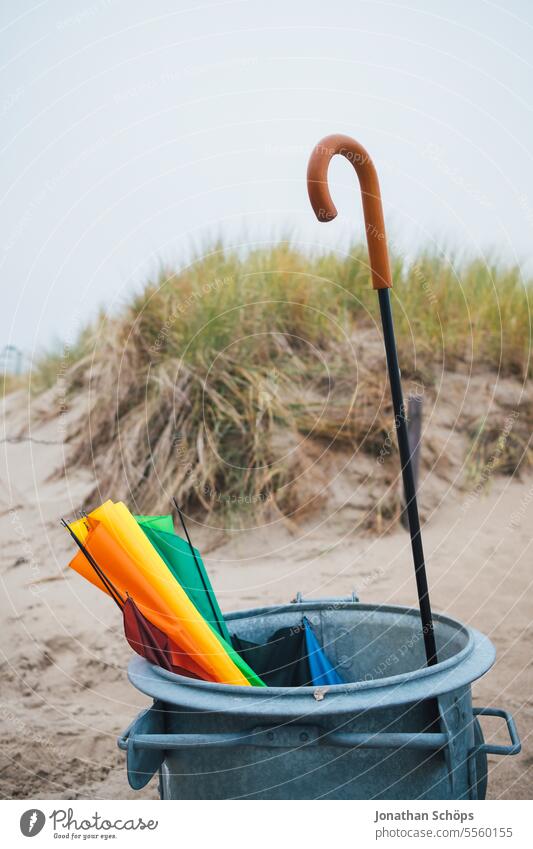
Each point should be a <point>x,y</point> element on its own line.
<point>407,474</point>
<point>200,572</point>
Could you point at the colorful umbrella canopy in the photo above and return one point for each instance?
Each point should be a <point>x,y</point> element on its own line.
<point>128,580</point>
<point>112,528</point>
<point>144,638</point>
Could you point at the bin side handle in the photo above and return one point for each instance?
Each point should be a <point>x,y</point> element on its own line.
<point>491,749</point>
<point>142,763</point>
<point>285,737</point>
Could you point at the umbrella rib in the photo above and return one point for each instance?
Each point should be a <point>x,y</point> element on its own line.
<point>113,592</point>
<point>206,588</point>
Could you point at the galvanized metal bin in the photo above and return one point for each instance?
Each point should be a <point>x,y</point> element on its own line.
<point>398,730</point>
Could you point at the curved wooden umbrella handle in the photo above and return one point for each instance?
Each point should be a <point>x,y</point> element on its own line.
<point>317,186</point>
<point>324,208</point>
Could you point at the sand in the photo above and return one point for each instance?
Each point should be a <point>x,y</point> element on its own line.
<point>65,695</point>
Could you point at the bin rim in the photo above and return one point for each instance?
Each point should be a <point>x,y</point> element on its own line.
<point>470,663</point>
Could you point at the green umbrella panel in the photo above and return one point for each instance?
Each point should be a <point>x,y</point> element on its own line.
<point>190,572</point>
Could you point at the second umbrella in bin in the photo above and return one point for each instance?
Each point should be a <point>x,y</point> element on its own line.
<point>291,657</point>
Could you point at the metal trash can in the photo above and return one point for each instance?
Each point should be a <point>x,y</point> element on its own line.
<point>398,730</point>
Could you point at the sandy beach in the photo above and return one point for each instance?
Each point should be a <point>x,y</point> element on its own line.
<point>65,694</point>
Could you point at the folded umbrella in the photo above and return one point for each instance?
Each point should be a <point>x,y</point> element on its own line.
<point>292,657</point>
<point>142,635</point>
<point>190,631</point>
<point>117,542</point>
<point>121,572</point>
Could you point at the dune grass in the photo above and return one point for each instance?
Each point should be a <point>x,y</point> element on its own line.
<point>218,381</point>
<point>499,445</point>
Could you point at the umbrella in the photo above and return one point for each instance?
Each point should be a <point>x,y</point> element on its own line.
<point>121,581</point>
<point>325,210</point>
<point>142,635</point>
<point>124,548</point>
<point>186,565</point>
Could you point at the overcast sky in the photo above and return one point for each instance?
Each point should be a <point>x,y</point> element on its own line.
<point>130,132</point>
